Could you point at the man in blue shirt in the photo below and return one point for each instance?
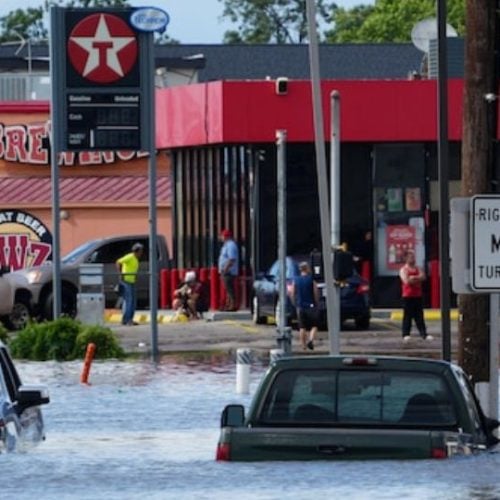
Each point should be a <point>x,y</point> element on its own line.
<point>228,268</point>
<point>305,296</point>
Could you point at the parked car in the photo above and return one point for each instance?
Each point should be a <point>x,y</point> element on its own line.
<point>21,420</point>
<point>354,297</point>
<point>336,407</point>
<point>33,285</point>
<point>12,307</point>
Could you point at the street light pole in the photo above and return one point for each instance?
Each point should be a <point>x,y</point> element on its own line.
<point>319,136</point>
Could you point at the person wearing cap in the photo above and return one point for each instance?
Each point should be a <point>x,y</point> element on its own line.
<point>128,267</point>
<point>305,296</point>
<point>228,267</point>
<point>185,298</point>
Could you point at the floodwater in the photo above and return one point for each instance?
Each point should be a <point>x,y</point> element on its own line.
<point>145,432</point>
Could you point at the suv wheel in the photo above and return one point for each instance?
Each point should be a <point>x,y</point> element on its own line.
<point>257,317</point>
<point>20,315</point>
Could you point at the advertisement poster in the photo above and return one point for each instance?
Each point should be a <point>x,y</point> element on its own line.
<point>395,200</point>
<point>24,240</point>
<point>413,199</point>
<point>399,239</point>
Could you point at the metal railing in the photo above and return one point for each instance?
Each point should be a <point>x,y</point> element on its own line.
<point>24,86</point>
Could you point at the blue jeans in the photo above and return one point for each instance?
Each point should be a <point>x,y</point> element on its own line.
<point>128,305</point>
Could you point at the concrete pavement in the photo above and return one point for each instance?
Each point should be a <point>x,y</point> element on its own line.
<point>221,334</point>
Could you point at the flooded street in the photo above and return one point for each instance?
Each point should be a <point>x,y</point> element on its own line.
<point>145,432</point>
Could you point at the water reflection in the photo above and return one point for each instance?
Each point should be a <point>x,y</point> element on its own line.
<point>145,431</point>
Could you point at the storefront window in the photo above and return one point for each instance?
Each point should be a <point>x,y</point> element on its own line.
<point>398,207</point>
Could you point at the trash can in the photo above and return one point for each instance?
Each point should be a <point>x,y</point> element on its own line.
<point>90,300</point>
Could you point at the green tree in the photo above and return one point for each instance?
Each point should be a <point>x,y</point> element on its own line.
<point>23,23</point>
<point>389,21</point>
<point>270,21</point>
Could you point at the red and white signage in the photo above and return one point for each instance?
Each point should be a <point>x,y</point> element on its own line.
<point>102,48</point>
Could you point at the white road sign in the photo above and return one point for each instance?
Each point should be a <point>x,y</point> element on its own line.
<point>485,243</point>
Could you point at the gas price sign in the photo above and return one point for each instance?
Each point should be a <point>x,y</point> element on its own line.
<point>103,77</point>
<point>103,121</point>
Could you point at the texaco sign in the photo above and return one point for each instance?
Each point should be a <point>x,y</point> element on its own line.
<point>103,79</point>
<point>102,48</point>
<point>24,240</point>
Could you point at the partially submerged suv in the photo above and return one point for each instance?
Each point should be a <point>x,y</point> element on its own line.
<point>334,407</point>
<point>21,421</point>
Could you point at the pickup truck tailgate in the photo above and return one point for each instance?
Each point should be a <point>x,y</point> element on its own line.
<point>266,443</point>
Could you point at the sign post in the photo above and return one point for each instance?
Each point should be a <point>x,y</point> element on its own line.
<point>475,254</point>
<point>103,99</point>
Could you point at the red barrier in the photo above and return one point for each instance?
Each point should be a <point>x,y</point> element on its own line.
<point>214,288</point>
<point>174,280</point>
<point>204,275</point>
<point>89,356</point>
<point>435,284</point>
<point>165,289</point>
<point>366,270</point>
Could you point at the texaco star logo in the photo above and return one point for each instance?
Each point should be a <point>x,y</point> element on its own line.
<point>102,48</point>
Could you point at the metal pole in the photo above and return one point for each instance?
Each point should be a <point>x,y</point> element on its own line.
<point>30,71</point>
<point>335,194</point>
<point>55,114</point>
<point>494,326</point>
<point>284,333</point>
<point>443,176</point>
<point>153,237</point>
<point>319,137</point>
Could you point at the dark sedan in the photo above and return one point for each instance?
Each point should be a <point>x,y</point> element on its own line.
<point>354,297</point>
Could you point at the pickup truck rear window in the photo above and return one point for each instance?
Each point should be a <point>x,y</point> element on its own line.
<point>358,397</point>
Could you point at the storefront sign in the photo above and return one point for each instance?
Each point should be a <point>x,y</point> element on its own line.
<point>30,143</point>
<point>24,240</point>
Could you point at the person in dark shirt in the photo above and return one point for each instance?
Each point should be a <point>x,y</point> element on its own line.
<point>305,296</point>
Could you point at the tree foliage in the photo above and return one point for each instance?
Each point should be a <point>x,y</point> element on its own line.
<point>270,21</point>
<point>389,21</point>
<point>30,24</point>
<point>22,24</point>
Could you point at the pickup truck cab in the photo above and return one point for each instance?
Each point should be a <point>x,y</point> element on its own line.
<point>337,407</point>
<point>33,285</point>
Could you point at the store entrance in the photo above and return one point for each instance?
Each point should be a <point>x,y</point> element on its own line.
<point>399,203</point>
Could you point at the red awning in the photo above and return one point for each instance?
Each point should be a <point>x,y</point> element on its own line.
<point>107,189</point>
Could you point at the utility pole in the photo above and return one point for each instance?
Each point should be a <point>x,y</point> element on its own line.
<point>477,163</point>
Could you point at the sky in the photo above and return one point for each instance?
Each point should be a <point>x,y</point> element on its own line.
<point>191,21</point>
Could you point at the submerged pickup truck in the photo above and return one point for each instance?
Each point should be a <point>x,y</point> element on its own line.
<point>33,285</point>
<point>334,407</point>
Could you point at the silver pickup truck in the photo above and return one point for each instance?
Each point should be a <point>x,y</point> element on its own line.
<point>7,294</point>
<point>343,407</point>
<point>33,286</point>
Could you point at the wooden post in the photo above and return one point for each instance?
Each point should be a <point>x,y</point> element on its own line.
<point>477,162</point>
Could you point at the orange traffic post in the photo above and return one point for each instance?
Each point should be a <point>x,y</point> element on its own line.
<point>87,363</point>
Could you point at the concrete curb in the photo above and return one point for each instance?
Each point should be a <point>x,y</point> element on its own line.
<point>429,315</point>
<point>144,317</point>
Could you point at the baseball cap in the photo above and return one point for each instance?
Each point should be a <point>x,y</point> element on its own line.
<point>137,246</point>
<point>226,233</point>
<point>190,276</point>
